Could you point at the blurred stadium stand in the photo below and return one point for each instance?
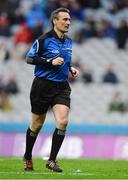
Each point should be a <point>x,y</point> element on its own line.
<point>90,102</point>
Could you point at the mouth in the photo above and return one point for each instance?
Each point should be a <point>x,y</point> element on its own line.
<point>66,27</point>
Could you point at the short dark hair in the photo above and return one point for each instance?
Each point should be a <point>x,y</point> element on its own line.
<point>56,12</point>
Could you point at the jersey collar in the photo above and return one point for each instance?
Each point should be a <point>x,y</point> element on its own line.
<point>56,36</point>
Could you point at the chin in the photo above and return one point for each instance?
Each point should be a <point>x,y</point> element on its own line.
<point>65,31</point>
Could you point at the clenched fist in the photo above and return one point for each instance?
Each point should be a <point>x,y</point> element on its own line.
<point>57,61</point>
<point>74,72</point>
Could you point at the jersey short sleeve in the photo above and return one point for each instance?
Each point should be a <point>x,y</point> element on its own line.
<point>34,49</point>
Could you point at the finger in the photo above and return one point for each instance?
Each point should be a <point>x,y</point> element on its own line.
<point>75,74</point>
<point>61,61</point>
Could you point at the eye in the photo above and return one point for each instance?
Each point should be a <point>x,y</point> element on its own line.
<point>67,19</point>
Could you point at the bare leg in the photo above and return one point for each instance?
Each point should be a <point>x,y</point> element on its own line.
<point>37,122</point>
<point>61,113</point>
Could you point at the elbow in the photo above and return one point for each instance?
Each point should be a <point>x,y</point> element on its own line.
<point>29,60</point>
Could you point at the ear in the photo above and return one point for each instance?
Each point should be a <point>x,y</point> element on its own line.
<point>54,21</point>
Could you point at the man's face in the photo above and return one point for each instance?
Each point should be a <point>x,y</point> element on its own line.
<point>62,22</point>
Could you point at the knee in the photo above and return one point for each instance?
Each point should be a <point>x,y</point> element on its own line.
<point>63,124</point>
<point>36,125</point>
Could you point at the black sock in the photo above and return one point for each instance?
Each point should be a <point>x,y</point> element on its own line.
<point>57,139</point>
<point>30,140</point>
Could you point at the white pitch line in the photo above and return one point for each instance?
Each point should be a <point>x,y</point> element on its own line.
<point>81,174</point>
<point>46,173</point>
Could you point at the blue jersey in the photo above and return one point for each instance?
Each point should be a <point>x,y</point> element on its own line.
<point>51,46</point>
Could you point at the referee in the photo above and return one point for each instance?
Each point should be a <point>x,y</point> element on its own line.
<point>51,54</point>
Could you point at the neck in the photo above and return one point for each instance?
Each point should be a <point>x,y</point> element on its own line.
<point>59,33</point>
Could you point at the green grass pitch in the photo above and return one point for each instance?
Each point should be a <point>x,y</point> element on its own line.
<point>12,168</point>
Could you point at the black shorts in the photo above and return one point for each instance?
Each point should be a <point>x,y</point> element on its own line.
<point>45,93</point>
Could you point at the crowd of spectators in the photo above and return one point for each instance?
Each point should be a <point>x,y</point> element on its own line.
<point>24,20</point>
<point>87,76</point>
<point>21,22</point>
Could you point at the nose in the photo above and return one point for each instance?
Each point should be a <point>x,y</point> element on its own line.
<point>68,22</point>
